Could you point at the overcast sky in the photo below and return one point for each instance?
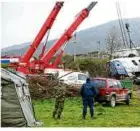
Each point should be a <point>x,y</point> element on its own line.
<point>21,20</point>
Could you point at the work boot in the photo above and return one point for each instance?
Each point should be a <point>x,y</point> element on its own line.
<point>84,117</point>
<point>54,115</point>
<point>92,115</point>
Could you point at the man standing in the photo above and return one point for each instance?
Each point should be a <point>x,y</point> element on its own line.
<point>88,92</point>
<point>60,93</point>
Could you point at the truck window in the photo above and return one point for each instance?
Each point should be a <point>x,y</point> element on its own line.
<point>115,83</point>
<point>118,65</point>
<point>100,83</point>
<point>110,84</point>
<point>82,77</point>
<point>119,85</point>
<point>72,78</point>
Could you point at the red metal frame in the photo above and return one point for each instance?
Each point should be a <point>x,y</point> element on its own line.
<point>44,46</point>
<point>67,35</point>
<point>46,26</point>
<point>58,59</point>
<point>37,65</point>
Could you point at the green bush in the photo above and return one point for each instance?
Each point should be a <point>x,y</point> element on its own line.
<point>4,66</point>
<point>96,67</point>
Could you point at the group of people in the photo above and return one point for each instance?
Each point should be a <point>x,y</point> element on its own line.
<point>88,91</point>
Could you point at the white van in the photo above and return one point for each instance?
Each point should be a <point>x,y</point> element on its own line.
<point>68,77</point>
<point>73,78</point>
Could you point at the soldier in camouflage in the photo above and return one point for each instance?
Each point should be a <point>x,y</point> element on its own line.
<point>60,93</point>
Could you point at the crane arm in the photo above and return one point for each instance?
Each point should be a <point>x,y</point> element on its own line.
<point>58,59</point>
<point>46,26</point>
<point>67,34</point>
<point>44,46</point>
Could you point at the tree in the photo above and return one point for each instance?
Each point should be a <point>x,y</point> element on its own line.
<point>114,41</point>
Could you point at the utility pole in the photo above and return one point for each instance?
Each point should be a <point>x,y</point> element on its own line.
<point>98,48</point>
<point>130,41</point>
<point>74,41</point>
<point>128,31</point>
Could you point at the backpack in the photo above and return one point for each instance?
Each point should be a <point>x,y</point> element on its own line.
<point>16,105</point>
<point>88,90</point>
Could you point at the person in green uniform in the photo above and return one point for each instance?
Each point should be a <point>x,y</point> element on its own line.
<point>60,93</point>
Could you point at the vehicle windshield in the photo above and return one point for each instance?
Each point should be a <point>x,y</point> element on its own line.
<point>118,65</point>
<point>100,83</point>
<point>82,77</point>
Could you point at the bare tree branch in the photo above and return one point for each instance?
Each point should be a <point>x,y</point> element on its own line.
<point>114,41</point>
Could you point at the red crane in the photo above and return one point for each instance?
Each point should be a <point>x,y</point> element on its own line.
<point>45,60</point>
<point>44,46</point>
<point>58,59</point>
<point>23,65</point>
<point>39,65</point>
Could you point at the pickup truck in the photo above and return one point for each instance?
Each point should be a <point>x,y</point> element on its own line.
<point>111,91</point>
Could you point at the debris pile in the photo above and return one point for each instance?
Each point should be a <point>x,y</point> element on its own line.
<point>41,87</point>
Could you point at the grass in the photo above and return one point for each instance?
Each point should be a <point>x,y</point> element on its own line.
<point>120,116</point>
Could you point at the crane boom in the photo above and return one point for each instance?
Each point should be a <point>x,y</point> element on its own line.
<point>58,59</point>
<point>67,34</point>
<point>44,46</point>
<point>46,26</point>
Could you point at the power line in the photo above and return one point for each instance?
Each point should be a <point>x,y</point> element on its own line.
<point>122,25</point>
<point>74,46</point>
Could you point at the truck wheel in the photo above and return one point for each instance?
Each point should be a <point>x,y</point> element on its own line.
<point>112,101</point>
<point>127,100</point>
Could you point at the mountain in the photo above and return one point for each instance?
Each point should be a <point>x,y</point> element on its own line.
<point>86,40</point>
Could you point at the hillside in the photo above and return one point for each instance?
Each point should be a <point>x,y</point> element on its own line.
<point>86,39</point>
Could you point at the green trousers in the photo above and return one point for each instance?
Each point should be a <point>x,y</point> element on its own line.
<point>59,106</point>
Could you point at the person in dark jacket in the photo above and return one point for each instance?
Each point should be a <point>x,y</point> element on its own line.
<point>88,92</point>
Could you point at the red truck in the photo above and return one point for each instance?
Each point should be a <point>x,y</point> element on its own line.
<point>111,91</point>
